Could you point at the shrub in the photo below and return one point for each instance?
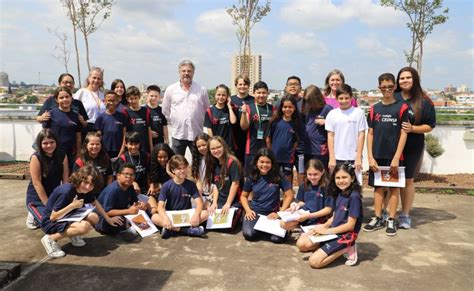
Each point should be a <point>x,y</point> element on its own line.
<point>433,146</point>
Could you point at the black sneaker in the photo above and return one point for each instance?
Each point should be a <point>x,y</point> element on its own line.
<point>167,233</point>
<point>195,231</point>
<point>391,227</point>
<point>374,224</point>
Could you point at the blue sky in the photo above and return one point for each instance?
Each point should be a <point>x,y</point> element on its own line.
<point>144,40</point>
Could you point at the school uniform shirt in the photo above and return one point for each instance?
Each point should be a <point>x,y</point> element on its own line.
<point>64,125</point>
<point>266,195</point>
<point>346,126</point>
<point>158,174</point>
<point>140,162</point>
<point>240,136</point>
<point>157,122</point>
<point>52,180</point>
<point>232,175</point>
<point>316,136</point>
<point>61,197</point>
<point>104,171</point>
<point>301,140</point>
<point>114,197</point>
<point>139,121</point>
<point>111,126</point>
<point>178,196</point>
<point>218,120</point>
<point>76,106</point>
<point>93,102</point>
<point>315,198</point>
<point>415,141</point>
<point>346,206</point>
<point>386,122</point>
<point>284,134</point>
<point>258,117</point>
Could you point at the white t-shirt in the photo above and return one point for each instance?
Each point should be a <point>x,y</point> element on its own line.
<point>93,102</point>
<point>346,125</point>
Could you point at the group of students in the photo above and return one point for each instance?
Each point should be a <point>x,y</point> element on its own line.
<point>244,161</point>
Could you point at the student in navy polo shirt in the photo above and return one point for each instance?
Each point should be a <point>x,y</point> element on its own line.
<point>242,84</point>
<point>120,199</point>
<point>385,143</point>
<point>284,133</point>
<point>345,222</point>
<point>224,170</point>
<point>65,199</point>
<point>315,111</point>
<point>138,159</point>
<point>176,194</point>
<point>112,125</point>
<point>65,124</point>
<point>138,119</point>
<point>312,196</point>
<point>264,183</point>
<point>158,122</point>
<point>220,116</point>
<point>256,121</point>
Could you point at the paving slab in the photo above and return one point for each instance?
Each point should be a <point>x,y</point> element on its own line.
<point>436,254</point>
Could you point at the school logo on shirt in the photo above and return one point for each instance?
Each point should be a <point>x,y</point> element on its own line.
<point>344,208</point>
<point>214,121</point>
<point>118,122</point>
<point>185,195</point>
<point>156,118</point>
<point>377,117</point>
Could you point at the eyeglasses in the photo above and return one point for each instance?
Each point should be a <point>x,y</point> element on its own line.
<point>293,84</point>
<point>386,88</point>
<point>131,175</point>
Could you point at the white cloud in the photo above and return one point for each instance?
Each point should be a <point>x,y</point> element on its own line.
<point>216,23</point>
<point>370,45</point>
<point>307,43</point>
<point>323,14</point>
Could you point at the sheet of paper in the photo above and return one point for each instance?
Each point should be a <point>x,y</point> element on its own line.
<point>217,220</point>
<point>77,214</point>
<point>358,174</point>
<point>143,198</point>
<point>142,223</point>
<point>180,217</point>
<point>317,238</point>
<point>385,179</point>
<point>269,226</point>
<point>287,216</point>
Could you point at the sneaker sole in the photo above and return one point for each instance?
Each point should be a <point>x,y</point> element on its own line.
<point>374,229</point>
<point>32,226</point>
<point>391,234</point>
<point>78,245</point>
<point>53,255</point>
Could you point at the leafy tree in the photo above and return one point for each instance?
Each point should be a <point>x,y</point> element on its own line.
<point>245,15</point>
<point>211,93</point>
<point>423,17</point>
<point>31,99</point>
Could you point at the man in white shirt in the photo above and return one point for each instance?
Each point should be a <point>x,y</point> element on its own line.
<point>184,106</point>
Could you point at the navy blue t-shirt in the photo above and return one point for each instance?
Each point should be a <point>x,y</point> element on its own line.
<point>284,136</point>
<point>348,206</point>
<point>233,175</point>
<point>386,122</point>
<point>157,122</point>
<point>76,106</point>
<point>158,174</point>
<point>61,197</point>
<point>111,127</point>
<point>218,120</point>
<point>50,181</point>
<point>139,121</point>
<point>315,198</point>
<point>114,197</point>
<point>105,171</point>
<point>258,120</point>
<point>140,162</point>
<point>316,136</point>
<point>266,195</point>
<point>178,196</point>
<point>64,125</point>
<point>299,106</point>
<point>240,136</point>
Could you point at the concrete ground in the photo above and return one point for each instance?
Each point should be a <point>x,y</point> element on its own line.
<point>436,255</point>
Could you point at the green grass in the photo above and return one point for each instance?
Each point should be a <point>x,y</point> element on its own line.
<point>470,192</point>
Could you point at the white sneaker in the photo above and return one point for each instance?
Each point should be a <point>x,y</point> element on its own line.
<point>351,255</point>
<point>52,248</point>
<point>30,222</point>
<point>77,241</point>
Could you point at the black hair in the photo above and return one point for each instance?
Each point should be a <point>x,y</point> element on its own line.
<point>295,118</point>
<point>196,156</point>
<point>82,174</point>
<point>260,85</point>
<point>333,190</point>
<point>133,137</point>
<point>126,166</point>
<point>386,77</point>
<point>57,157</point>
<point>63,75</point>
<point>153,88</point>
<point>273,175</point>
<point>114,85</point>
<point>156,170</point>
<point>293,78</point>
<point>132,91</point>
<point>345,89</point>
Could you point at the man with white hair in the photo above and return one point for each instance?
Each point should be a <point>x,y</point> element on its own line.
<point>184,105</point>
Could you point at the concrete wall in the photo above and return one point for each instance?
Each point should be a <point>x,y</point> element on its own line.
<point>17,136</point>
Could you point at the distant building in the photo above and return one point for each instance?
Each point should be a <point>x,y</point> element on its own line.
<point>463,89</point>
<point>4,80</point>
<point>255,72</point>
<point>450,89</point>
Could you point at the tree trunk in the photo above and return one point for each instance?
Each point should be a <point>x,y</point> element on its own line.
<point>72,12</point>
<point>86,40</point>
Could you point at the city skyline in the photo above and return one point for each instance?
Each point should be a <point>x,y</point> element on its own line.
<point>143,42</point>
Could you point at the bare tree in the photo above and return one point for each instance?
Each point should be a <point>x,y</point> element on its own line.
<point>63,54</point>
<point>245,15</point>
<point>90,14</point>
<point>423,18</point>
<point>71,13</point>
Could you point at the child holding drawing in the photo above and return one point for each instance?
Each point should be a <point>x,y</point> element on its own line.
<point>345,222</point>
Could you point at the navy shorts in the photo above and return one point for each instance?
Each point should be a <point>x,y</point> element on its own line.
<point>380,162</point>
<point>411,160</point>
<point>334,245</point>
<point>286,168</point>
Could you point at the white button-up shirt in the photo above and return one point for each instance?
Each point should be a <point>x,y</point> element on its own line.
<point>185,110</point>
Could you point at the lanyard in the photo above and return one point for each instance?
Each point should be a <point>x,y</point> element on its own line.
<point>258,114</point>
